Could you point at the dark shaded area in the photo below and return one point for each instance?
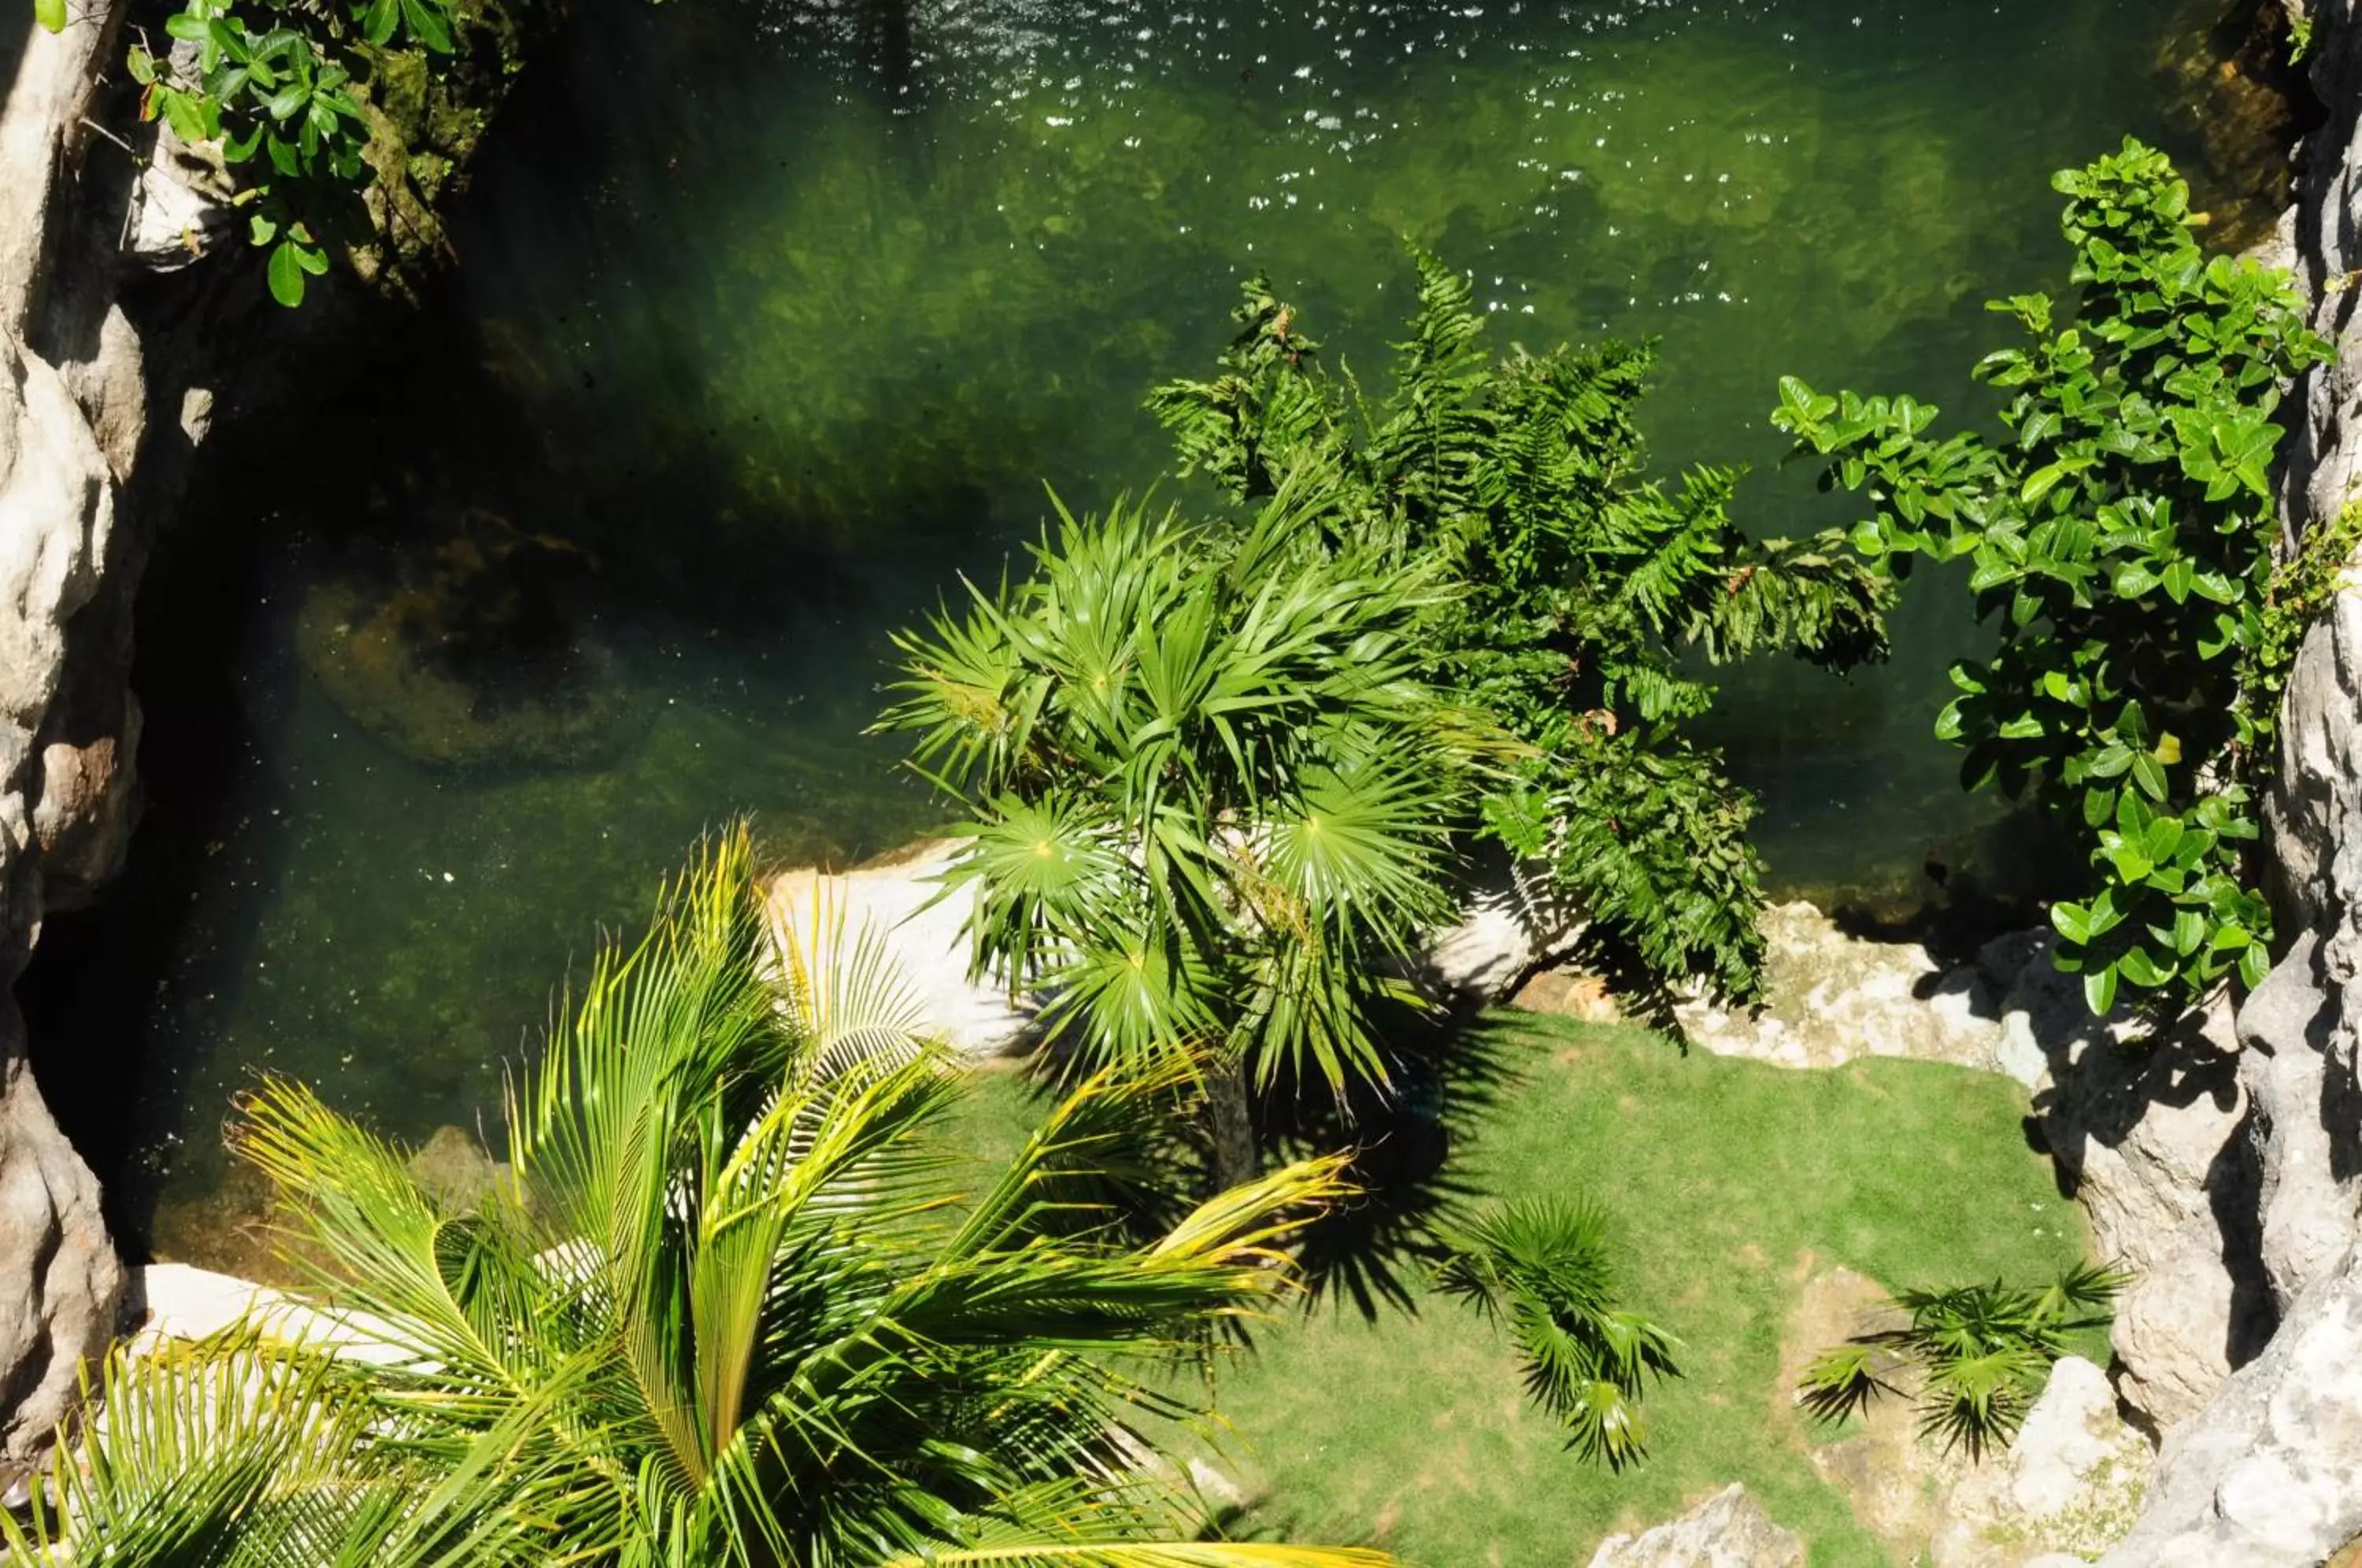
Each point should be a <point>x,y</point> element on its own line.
<point>1448,1075</point>
<point>103,977</point>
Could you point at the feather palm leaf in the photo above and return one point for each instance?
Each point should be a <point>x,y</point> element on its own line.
<point>731,1303</point>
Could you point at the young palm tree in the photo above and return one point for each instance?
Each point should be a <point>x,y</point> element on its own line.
<point>729,1307</point>
<point>1209,796</point>
<point>1981,1352</point>
<point>1543,1265</point>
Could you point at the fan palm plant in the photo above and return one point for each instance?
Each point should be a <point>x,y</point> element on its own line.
<point>729,1305</point>
<point>1209,796</point>
<point>1982,1353</point>
<point>1542,1266</point>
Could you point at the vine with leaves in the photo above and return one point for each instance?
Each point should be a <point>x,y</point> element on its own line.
<point>279,85</point>
<point>275,83</point>
<point>2120,537</point>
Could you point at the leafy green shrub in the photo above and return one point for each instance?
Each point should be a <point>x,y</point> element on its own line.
<point>1541,1265</point>
<point>274,80</point>
<point>1582,588</point>
<point>1981,1352</point>
<point>1209,790</point>
<point>2120,538</point>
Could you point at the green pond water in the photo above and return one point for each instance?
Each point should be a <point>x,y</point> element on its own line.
<point>770,320</point>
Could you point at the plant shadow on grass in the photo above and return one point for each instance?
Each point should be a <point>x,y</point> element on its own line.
<point>1447,1075</point>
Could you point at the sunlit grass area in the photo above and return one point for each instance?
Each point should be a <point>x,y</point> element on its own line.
<point>1391,1415</point>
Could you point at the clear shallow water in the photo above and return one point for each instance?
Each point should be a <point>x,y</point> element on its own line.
<point>773,319</point>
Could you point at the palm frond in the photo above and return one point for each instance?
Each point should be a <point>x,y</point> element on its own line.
<point>1541,1265</point>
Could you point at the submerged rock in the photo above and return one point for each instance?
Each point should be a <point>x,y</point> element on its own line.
<point>455,1169</point>
<point>474,662</point>
<point>1730,1529</point>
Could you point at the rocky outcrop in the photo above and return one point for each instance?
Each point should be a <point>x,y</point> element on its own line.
<point>2070,1486</point>
<point>2270,1472</point>
<point>2148,1135</point>
<point>1730,1529</point>
<point>1831,996</point>
<point>87,359</point>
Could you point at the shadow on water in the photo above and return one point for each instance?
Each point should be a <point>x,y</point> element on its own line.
<point>175,932</point>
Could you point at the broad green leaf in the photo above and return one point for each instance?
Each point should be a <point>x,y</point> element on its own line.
<point>2072,922</point>
<point>2254,963</point>
<point>286,273</point>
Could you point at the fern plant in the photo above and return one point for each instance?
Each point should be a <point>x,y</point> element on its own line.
<point>1981,1352</point>
<point>1541,1265</point>
<point>1586,594</point>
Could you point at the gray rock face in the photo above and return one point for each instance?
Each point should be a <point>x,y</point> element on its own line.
<point>60,1291</point>
<point>2148,1135</point>
<point>2270,1476</point>
<point>2070,1485</point>
<point>1831,997</point>
<point>59,1278</point>
<point>1730,1529</point>
<point>2270,1472</point>
<point>83,475</point>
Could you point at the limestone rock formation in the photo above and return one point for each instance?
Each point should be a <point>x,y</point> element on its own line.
<point>84,472</point>
<point>2070,1484</point>
<point>2147,1136</point>
<point>59,1278</point>
<point>1832,995</point>
<point>2270,1476</point>
<point>2270,1472</point>
<point>1730,1529</point>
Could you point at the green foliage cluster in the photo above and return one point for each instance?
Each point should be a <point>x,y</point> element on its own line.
<point>1981,1352</point>
<point>730,1304</point>
<point>1583,591</point>
<point>275,81</point>
<point>2120,538</point>
<point>1209,790</point>
<point>1541,1264</point>
<point>2297,595</point>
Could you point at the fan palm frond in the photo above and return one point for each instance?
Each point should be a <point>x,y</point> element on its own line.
<point>1542,1266</point>
<point>1980,1352</point>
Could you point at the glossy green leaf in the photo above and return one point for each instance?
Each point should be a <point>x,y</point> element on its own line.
<point>286,274</point>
